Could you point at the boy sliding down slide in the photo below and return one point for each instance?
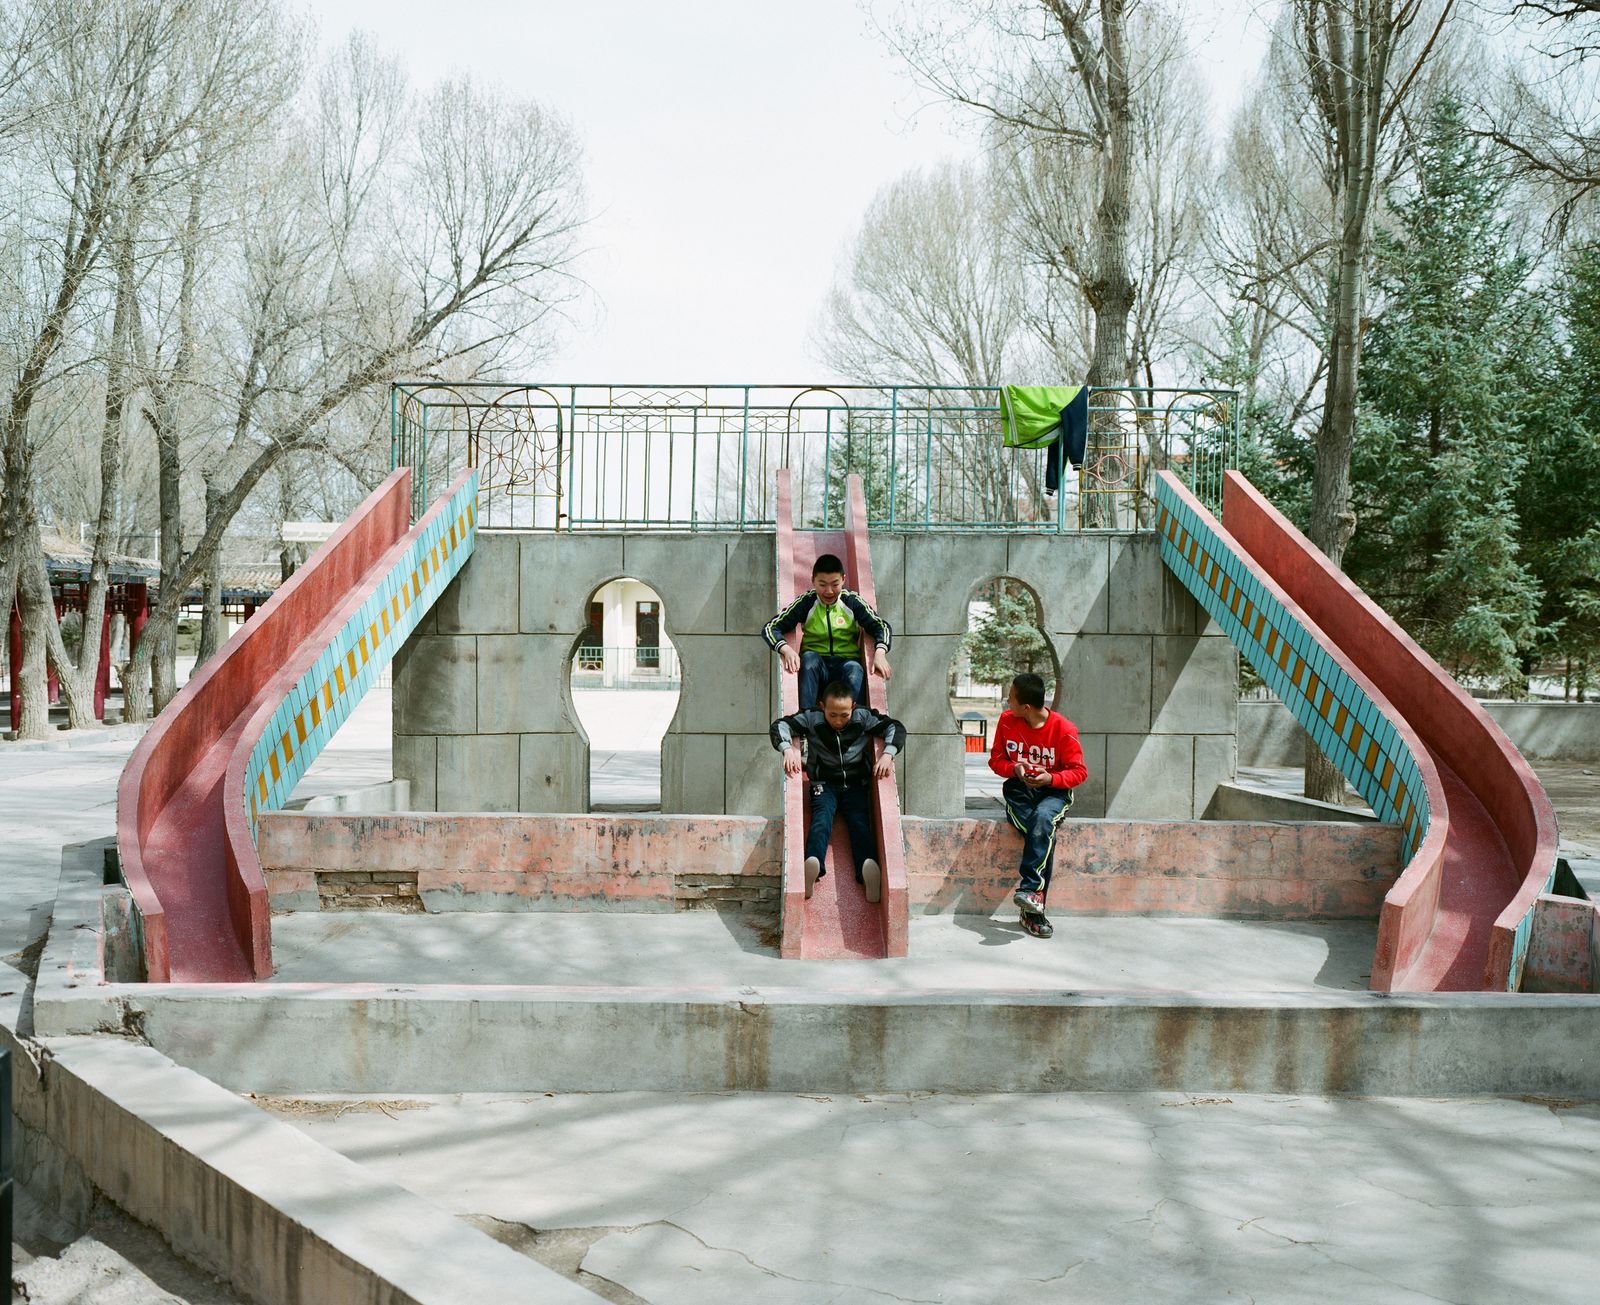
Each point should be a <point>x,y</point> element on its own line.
<point>1037,752</point>
<point>840,736</point>
<point>831,619</point>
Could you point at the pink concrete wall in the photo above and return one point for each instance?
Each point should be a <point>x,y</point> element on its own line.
<point>1112,867</point>
<point>531,862</point>
<point>1563,946</point>
<point>1158,867</point>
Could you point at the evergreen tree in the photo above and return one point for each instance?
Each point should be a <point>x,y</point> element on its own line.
<point>1444,379</point>
<point>1559,498</point>
<point>1008,641</point>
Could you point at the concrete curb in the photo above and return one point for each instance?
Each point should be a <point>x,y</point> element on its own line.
<point>397,1039</point>
<point>230,1187</point>
<point>254,1199</point>
<point>70,739</point>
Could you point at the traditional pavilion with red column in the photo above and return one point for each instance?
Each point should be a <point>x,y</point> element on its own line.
<point>134,585</point>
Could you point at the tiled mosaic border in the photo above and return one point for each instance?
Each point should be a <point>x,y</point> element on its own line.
<point>1349,728</point>
<point>314,709</point>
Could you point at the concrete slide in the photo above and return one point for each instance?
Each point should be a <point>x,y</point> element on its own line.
<point>838,922</point>
<point>1481,831</point>
<point>237,737</point>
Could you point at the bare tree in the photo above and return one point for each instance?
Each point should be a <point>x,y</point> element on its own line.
<point>390,236</point>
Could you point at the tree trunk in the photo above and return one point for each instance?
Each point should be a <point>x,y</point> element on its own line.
<point>211,590</point>
<point>38,619</point>
<point>1110,290</point>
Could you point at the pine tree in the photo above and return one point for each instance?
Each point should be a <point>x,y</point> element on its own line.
<point>1438,465</point>
<point>1008,641</point>
<point>1559,498</point>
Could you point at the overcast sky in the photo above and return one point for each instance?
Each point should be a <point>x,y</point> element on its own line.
<point>731,147</point>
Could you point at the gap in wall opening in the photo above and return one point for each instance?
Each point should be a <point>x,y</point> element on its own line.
<point>625,681</point>
<point>1005,637</point>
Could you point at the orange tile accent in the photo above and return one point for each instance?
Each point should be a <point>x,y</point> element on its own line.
<point>1372,756</point>
<point>1388,774</point>
<point>272,761</point>
<point>300,728</point>
<point>316,712</point>
<point>350,665</point>
<point>327,694</point>
<point>1356,735</point>
<point>338,677</point>
<point>261,783</point>
<point>385,615</point>
<point>361,646</point>
<point>1339,718</point>
<point>288,748</point>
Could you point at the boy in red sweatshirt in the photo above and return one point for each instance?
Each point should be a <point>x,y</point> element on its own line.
<point>1037,752</point>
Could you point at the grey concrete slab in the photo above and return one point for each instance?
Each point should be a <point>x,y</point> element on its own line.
<point>521,683</point>
<point>690,574</point>
<point>692,773</point>
<point>1105,682</point>
<point>486,597</point>
<point>920,690</point>
<point>560,572</point>
<point>1069,574</point>
<point>624,781</point>
<point>933,775</point>
<point>1193,685</point>
<point>415,758</point>
<point>477,772</point>
<point>889,579</point>
<point>752,583</point>
<point>436,685</point>
<point>549,772</point>
<point>947,953</point>
<point>1159,1197</point>
<point>1146,598</point>
<point>941,574</point>
<point>753,775</point>
<point>1215,764</point>
<point>1150,777</point>
<point>727,683</point>
<point>1090,799</point>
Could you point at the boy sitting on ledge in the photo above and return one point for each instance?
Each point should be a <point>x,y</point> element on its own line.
<point>840,734</point>
<point>1037,752</point>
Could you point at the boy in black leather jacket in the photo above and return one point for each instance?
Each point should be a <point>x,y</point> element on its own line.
<point>840,735</point>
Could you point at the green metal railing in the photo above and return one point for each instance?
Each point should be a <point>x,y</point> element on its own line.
<point>705,457</point>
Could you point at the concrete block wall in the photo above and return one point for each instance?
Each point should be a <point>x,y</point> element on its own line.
<point>483,715</point>
<point>484,718</point>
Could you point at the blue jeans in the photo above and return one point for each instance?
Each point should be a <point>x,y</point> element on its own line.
<point>851,802</point>
<point>1035,812</point>
<point>817,671</point>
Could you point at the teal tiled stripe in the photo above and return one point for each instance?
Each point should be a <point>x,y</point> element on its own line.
<point>307,706</point>
<point>1294,665</point>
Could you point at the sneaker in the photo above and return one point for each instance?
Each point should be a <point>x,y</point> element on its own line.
<point>813,873</point>
<point>1037,925</point>
<point>1031,903</point>
<point>871,879</point>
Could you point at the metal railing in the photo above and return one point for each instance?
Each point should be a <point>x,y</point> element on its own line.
<point>704,457</point>
<point>625,667</point>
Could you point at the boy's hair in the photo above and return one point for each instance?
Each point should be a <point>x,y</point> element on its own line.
<point>827,564</point>
<point>834,690</point>
<point>1030,689</point>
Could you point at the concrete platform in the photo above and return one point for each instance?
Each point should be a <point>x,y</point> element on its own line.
<point>726,1199</point>
<point>703,949</point>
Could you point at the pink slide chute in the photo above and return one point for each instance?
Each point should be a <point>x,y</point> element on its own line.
<point>838,922</point>
<point>182,830</point>
<point>1451,922</point>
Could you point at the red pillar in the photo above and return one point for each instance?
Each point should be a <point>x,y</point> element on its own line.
<point>102,674</point>
<point>137,610</point>
<point>52,684</point>
<point>16,664</point>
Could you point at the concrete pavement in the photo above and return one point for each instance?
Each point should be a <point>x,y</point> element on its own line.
<point>1152,1197</point>
<point>697,949</point>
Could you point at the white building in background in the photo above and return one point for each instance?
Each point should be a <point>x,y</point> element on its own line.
<point>625,645</point>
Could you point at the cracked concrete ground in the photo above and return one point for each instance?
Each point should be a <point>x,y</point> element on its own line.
<point>797,1200</point>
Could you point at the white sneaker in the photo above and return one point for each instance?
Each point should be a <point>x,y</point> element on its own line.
<point>871,879</point>
<point>813,870</point>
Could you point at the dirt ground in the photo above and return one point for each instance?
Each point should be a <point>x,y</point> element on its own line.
<point>1575,793</point>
